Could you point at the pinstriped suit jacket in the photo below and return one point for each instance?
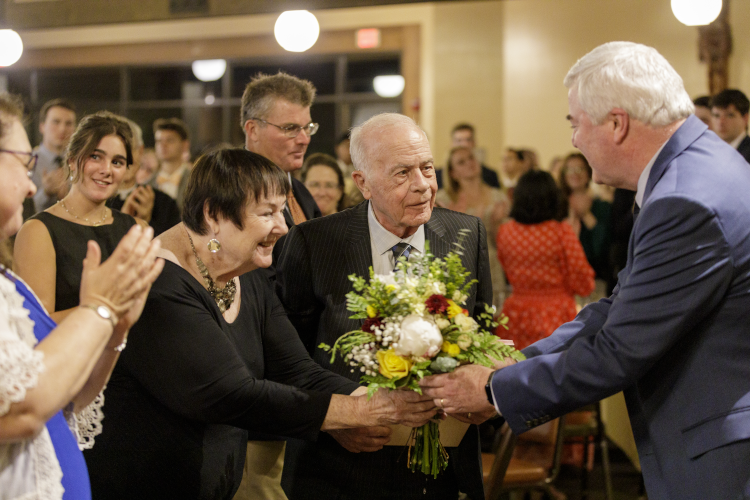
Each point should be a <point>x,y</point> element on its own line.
<point>312,282</point>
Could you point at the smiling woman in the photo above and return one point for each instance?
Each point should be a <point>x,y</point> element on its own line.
<point>214,354</point>
<point>51,245</point>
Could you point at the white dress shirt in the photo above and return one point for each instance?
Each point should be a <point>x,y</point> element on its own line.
<point>382,241</point>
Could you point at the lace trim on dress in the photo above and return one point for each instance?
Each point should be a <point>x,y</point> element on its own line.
<point>87,424</point>
<point>48,471</point>
<point>20,364</point>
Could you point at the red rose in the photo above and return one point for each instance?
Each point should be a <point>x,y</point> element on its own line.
<point>370,324</point>
<point>436,304</point>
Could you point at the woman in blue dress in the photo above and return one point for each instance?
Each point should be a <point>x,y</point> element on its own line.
<point>48,371</point>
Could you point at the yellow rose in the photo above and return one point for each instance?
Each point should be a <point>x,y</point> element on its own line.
<point>453,309</point>
<point>371,312</point>
<point>392,365</point>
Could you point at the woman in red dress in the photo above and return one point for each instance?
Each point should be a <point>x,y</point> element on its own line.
<point>543,261</point>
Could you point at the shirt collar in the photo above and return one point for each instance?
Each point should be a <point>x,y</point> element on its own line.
<point>643,179</point>
<point>46,153</point>
<point>384,240</point>
<point>736,143</point>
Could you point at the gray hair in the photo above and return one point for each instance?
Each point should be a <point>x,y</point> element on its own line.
<point>358,144</point>
<point>633,77</point>
<point>137,132</point>
<point>264,90</point>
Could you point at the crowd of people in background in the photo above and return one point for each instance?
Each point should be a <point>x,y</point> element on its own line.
<point>555,239</point>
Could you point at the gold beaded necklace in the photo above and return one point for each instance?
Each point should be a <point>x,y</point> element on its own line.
<point>224,297</point>
<point>98,223</point>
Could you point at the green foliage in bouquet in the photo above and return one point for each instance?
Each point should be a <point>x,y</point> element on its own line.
<point>415,326</point>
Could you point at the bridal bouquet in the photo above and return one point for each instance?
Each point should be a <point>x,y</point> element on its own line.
<point>415,326</point>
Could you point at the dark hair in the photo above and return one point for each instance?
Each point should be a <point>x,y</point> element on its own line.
<point>535,198</point>
<point>324,160</point>
<point>263,91</point>
<point>173,124</point>
<point>90,131</point>
<point>463,126</point>
<point>703,101</point>
<point>727,97</point>
<point>226,179</point>
<point>11,108</point>
<point>60,103</point>
<point>564,186</point>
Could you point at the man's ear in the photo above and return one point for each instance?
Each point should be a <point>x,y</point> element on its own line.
<point>251,130</point>
<point>621,124</point>
<point>745,118</point>
<point>361,182</point>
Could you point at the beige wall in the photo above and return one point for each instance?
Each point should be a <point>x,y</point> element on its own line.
<point>500,64</point>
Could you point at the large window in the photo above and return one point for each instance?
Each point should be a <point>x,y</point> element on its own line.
<point>345,94</point>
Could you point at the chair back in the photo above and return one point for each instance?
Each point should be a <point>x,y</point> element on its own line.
<point>497,463</point>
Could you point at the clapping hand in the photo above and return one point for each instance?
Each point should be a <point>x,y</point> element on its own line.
<point>123,280</point>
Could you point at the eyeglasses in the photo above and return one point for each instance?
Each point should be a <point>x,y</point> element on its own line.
<point>30,164</point>
<point>322,185</point>
<point>292,131</point>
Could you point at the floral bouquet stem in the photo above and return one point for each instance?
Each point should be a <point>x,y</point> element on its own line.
<point>429,455</point>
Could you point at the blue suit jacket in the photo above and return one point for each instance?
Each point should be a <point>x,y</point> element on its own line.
<point>674,335</point>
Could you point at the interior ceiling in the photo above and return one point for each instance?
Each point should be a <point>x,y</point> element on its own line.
<point>39,14</point>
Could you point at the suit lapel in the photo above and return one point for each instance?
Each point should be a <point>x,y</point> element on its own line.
<point>358,252</point>
<point>435,233</point>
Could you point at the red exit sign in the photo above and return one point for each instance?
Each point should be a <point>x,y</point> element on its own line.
<point>368,38</point>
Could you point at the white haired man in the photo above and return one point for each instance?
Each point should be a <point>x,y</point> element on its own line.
<point>396,175</point>
<point>674,333</point>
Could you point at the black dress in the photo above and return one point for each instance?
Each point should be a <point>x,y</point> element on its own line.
<point>70,242</point>
<point>189,384</point>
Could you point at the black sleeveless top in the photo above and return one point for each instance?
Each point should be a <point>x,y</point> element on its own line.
<point>70,242</point>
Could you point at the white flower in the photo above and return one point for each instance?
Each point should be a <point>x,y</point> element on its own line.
<point>442,323</point>
<point>465,323</point>
<point>387,279</point>
<point>419,337</point>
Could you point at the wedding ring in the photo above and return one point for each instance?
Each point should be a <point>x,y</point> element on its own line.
<point>442,405</point>
<point>469,415</point>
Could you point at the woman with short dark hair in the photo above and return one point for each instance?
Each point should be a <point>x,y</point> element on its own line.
<point>543,261</point>
<point>214,354</point>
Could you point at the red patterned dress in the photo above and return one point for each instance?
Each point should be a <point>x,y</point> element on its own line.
<point>546,266</point>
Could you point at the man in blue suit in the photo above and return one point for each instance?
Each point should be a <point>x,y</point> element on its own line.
<point>675,334</point>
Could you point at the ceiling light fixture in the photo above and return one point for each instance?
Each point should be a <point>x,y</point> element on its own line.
<point>11,47</point>
<point>209,70</point>
<point>696,12</point>
<point>296,30</point>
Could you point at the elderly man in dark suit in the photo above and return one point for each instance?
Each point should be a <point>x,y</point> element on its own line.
<point>396,175</point>
<point>674,334</point>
